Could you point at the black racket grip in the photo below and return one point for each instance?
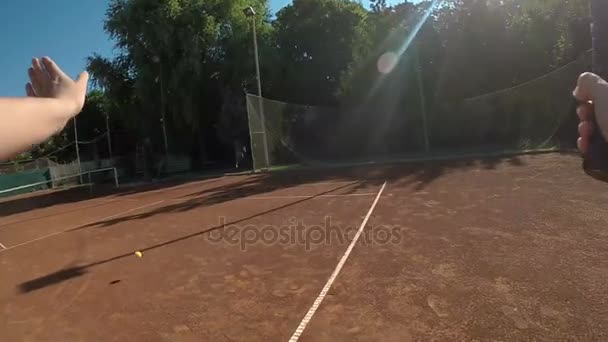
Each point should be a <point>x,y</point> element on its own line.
<point>595,161</point>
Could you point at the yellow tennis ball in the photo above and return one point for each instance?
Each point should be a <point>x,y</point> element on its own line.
<point>139,254</point>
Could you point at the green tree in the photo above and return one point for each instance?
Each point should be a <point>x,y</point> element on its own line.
<point>175,57</point>
<point>315,42</point>
<point>193,60</point>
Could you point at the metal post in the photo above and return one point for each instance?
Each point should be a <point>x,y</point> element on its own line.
<point>260,105</point>
<point>422,102</point>
<point>162,112</point>
<point>109,136</point>
<point>77,150</point>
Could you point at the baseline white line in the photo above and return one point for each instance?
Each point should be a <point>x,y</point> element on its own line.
<point>296,335</point>
<point>92,222</point>
<point>3,246</point>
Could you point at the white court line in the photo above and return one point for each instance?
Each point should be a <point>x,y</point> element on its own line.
<point>3,246</point>
<point>331,182</point>
<point>296,335</point>
<point>310,196</point>
<point>80,225</point>
<point>280,197</point>
<point>105,201</point>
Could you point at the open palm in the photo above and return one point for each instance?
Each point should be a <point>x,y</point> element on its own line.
<point>48,80</point>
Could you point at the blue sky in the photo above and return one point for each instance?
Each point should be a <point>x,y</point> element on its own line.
<point>66,30</point>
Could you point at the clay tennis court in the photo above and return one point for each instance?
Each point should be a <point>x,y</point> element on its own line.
<point>504,249</point>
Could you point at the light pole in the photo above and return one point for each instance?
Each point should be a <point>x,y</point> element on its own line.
<point>422,100</point>
<point>77,149</point>
<point>109,135</point>
<point>157,60</point>
<point>250,13</point>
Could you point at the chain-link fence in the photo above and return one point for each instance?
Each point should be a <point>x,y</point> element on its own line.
<point>536,115</point>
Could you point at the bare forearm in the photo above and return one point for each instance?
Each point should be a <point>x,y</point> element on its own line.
<point>28,121</point>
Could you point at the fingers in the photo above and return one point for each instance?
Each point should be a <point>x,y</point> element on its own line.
<point>52,68</point>
<point>29,90</point>
<point>585,86</point>
<point>585,130</point>
<point>585,127</point>
<point>583,145</point>
<point>82,82</point>
<point>592,93</point>
<point>585,112</point>
<point>38,66</point>
<point>33,77</point>
<point>83,79</point>
<point>38,77</point>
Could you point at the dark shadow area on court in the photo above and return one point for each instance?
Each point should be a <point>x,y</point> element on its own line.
<point>67,211</point>
<point>49,198</point>
<point>194,203</point>
<point>51,279</point>
<point>415,174</point>
<point>72,272</point>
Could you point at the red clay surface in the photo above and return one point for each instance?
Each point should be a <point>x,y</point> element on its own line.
<point>481,250</point>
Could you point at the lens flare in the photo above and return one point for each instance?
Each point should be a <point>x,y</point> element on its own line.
<point>387,62</point>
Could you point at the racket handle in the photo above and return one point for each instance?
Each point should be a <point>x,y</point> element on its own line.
<point>595,161</point>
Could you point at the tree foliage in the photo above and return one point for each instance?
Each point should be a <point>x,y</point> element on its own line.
<point>193,60</point>
<point>315,42</point>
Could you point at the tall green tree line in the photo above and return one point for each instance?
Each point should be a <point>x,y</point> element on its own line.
<point>192,60</point>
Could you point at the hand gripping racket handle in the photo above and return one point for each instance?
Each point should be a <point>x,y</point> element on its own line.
<point>596,160</point>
